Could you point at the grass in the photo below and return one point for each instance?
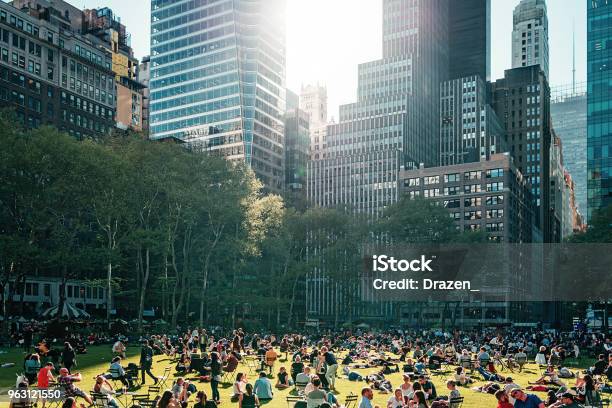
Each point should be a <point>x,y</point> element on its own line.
<point>96,361</point>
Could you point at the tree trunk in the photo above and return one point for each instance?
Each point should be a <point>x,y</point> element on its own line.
<point>143,288</point>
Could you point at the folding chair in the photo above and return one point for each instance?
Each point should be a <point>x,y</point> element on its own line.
<point>164,378</point>
<point>351,401</point>
<point>456,402</point>
<point>300,386</point>
<point>292,399</point>
<point>23,404</point>
<point>99,400</point>
<point>154,391</point>
<point>251,363</point>
<point>141,400</point>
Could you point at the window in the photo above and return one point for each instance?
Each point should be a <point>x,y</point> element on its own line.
<point>451,190</point>
<point>495,200</point>
<point>472,202</point>
<point>451,203</point>
<point>472,188</point>
<point>47,290</point>
<point>495,173</point>
<point>472,175</point>
<point>472,215</point>
<point>499,186</point>
<point>495,227</point>
<point>412,182</point>
<point>451,178</point>
<point>434,192</point>
<point>495,213</point>
<point>431,180</point>
<point>455,216</point>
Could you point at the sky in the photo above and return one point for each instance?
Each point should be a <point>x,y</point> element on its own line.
<point>327,39</point>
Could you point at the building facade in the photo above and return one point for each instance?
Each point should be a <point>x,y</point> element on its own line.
<point>218,80</point>
<point>522,102</point>
<point>50,73</point>
<point>105,26</point>
<point>469,128</point>
<point>297,146</point>
<point>470,39</point>
<point>530,35</point>
<point>568,110</point>
<point>599,97</point>
<point>313,100</point>
<point>144,77</point>
<point>489,195</point>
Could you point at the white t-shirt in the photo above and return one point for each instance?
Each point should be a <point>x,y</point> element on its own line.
<point>392,402</point>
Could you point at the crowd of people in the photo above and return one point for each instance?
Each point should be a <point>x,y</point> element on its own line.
<point>311,364</point>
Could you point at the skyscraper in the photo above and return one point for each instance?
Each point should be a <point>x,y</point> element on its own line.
<point>218,79</point>
<point>470,39</point>
<point>568,110</point>
<point>415,38</point>
<point>469,128</point>
<point>599,98</point>
<point>530,35</point>
<point>313,101</point>
<point>297,145</point>
<point>522,102</point>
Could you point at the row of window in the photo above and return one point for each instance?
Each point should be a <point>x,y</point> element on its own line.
<point>87,106</point>
<point>454,177</point>
<point>477,215</point>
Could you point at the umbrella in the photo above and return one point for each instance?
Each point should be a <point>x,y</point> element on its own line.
<point>70,311</point>
<point>363,326</point>
<point>160,321</point>
<point>121,321</point>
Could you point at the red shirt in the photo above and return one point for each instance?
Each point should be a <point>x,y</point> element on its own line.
<point>504,405</point>
<point>43,377</point>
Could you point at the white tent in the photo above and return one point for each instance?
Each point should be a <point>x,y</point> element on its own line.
<point>69,311</point>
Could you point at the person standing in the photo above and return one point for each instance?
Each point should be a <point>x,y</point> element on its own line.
<point>146,361</point>
<point>68,356</point>
<point>332,367</point>
<point>215,376</point>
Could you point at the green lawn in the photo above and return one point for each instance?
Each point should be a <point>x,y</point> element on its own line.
<point>97,360</point>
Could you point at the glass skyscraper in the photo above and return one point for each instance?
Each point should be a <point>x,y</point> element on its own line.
<point>599,103</point>
<point>568,110</point>
<point>218,79</point>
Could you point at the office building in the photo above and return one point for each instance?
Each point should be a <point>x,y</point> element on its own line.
<point>599,97</point>
<point>489,195</point>
<point>51,73</point>
<point>107,28</point>
<point>144,77</point>
<point>470,39</point>
<point>568,110</point>
<point>522,102</point>
<point>530,35</point>
<point>218,80</point>
<point>469,128</point>
<point>297,145</point>
<point>313,100</point>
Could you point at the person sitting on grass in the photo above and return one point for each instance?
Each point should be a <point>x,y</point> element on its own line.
<point>567,400</point>
<point>396,400</point>
<point>248,399</point>
<point>526,400</point>
<point>239,386</point>
<point>167,400</point>
<point>461,377</point>
<point>503,400</point>
<point>66,381</point>
<point>550,376</point>
<point>282,379</point>
<point>203,402</point>
<point>263,387</point>
<point>419,400</point>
